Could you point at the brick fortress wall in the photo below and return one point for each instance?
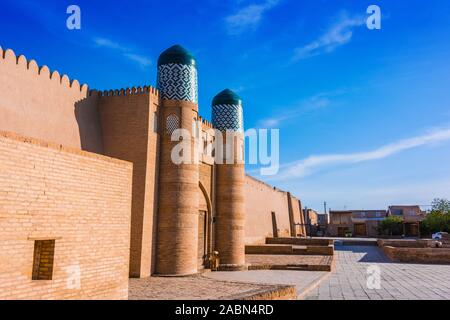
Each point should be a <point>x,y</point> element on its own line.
<point>36,102</point>
<point>129,133</point>
<point>261,200</point>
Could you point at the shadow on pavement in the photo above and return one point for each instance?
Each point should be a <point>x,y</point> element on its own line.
<point>371,254</point>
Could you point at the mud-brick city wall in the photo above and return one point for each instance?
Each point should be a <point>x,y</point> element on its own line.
<point>80,200</point>
<point>40,103</point>
<point>264,207</point>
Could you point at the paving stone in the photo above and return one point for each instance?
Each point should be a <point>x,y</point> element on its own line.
<point>399,281</point>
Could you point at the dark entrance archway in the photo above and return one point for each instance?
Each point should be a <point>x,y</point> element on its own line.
<point>204,228</point>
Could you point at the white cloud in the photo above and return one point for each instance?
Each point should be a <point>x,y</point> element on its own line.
<point>126,52</point>
<point>248,17</point>
<point>313,163</point>
<point>311,104</point>
<point>103,42</point>
<point>337,35</point>
<point>141,60</point>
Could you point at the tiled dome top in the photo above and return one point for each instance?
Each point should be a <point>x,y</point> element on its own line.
<point>176,54</point>
<point>226,97</point>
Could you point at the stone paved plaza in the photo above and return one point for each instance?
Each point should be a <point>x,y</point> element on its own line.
<point>399,281</point>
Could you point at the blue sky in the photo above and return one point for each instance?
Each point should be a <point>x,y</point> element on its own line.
<point>364,115</point>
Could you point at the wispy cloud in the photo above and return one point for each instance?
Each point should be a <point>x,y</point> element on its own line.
<point>125,51</point>
<point>107,43</point>
<point>141,60</point>
<point>314,163</point>
<point>248,17</point>
<point>314,103</point>
<point>340,33</point>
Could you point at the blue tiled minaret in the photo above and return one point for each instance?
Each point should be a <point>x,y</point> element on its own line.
<point>227,111</point>
<point>227,117</point>
<point>177,75</point>
<point>178,214</point>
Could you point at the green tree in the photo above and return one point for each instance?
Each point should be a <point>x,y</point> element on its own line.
<point>391,226</point>
<point>434,222</point>
<point>441,205</point>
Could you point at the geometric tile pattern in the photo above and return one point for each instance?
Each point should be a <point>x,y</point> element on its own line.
<point>172,123</point>
<point>178,82</point>
<point>228,117</point>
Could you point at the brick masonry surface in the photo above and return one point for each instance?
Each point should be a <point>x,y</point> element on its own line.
<point>79,199</point>
<point>309,262</point>
<point>399,281</point>
<point>302,280</point>
<point>127,126</point>
<point>198,287</point>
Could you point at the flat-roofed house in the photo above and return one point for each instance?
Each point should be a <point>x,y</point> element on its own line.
<point>360,223</point>
<point>411,215</point>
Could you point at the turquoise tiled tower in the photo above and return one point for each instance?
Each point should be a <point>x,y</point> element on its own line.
<point>177,75</point>
<point>227,116</point>
<point>227,113</point>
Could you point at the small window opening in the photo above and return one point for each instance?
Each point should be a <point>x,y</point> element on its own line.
<point>44,252</point>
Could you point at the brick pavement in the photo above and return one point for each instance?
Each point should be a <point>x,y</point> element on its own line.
<point>399,281</point>
<point>197,287</point>
<point>302,280</point>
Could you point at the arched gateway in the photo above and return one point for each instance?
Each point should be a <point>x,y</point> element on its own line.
<point>204,227</point>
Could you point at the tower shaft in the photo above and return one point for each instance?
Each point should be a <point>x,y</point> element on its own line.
<point>177,227</point>
<point>230,182</point>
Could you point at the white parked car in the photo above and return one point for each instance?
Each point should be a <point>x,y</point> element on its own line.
<point>438,235</point>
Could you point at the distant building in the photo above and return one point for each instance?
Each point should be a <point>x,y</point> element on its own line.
<point>360,223</point>
<point>316,224</point>
<point>365,223</point>
<point>311,216</point>
<point>323,220</point>
<point>312,221</point>
<point>411,215</point>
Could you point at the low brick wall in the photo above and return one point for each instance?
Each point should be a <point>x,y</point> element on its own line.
<point>290,262</point>
<point>320,250</point>
<point>406,243</point>
<point>269,249</point>
<point>418,255</point>
<point>288,249</point>
<point>300,241</point>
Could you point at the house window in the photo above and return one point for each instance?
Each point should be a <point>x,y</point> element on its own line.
<point>44,252</point>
